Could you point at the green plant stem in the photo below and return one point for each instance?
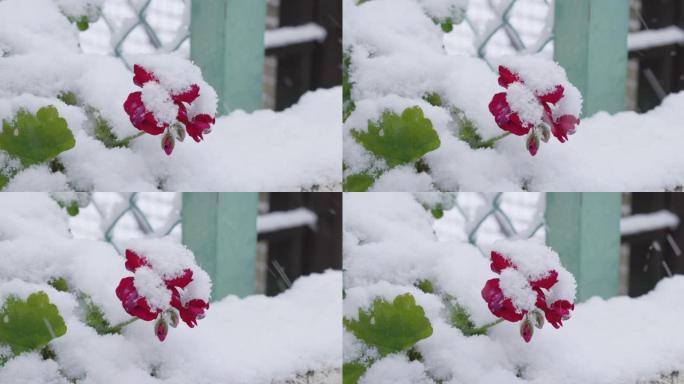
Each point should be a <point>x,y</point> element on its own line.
<point>127,140</point>
<point>490,143</point>
<point>483,329</point>
<point>119,327</point>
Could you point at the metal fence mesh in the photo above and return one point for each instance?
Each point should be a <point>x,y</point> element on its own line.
<point>495,28</point>
<point>114,217</point>
<point>482,218</point>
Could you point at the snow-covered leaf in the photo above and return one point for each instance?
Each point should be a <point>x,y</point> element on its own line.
<point>399,139</point>
<point>391,327</point>
<point>31,324</point>
<point>35,139</point>
<point>359,182</point>
<point>352,372</point>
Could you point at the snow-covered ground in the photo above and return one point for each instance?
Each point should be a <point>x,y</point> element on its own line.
<point>397,59</point>
<point>263,150</point>
<point>294,337</point>
<point>390,245</point>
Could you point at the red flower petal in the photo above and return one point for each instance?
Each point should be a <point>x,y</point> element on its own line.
<point>564,126</point>
<point>181,281</point>
<point>554,96</point>
<point>187,96</point>
<point>505,118</point>
<point>558,311</point>
<point>199,125</point>
<point>507,77</point>
<point>546,282</point>
<point>142,76</point>
<point>192,310</point>
<point>498,304</point>
<point>140,117</point>
<point>132,302</point>
<point>499,263</point>
<point>134,261</point>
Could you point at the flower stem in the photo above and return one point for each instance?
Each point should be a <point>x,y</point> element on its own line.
<point>119,327</point>
<point>490,143</point>
<point>483,329</point>
<point>127,140</point>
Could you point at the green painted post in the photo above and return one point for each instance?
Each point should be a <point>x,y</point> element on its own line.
<point>584,228</point>
<point>227,42</point>
<point>590,42</point>
<point>220,229</point>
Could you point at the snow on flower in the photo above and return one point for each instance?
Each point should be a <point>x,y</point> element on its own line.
<point>539,101</point>
<point>532,284</point>
<point>166,284</point>
<point>170,104</point>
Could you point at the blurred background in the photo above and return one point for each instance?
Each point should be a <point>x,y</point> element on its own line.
<point>651,234</point>
<point>297,233</point>
<point>302,40</point>
<point>656,42</point>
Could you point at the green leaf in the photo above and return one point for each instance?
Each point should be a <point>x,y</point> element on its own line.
<point>347,102</point>
<point>352,372</point>
<point>4,180</point>
<point>437,212</point>
<point>60,284</point>
<point>359,182</point>
<point>68,98</point>
<point>35,139</point>
<point>399,139</point>
<point>391,327</point>
<point>434,99</point>
<point>447,25</point>
<point>94,316</point>
<point>425,285</point>
<point>31,324</point>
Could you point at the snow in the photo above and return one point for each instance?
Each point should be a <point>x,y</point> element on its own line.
<point>652,38</point>
<point>276,221</point>
<point>256,339</point>
<point>389,243</point>
<point>398,56</point>
<point>644,222</point>
<point>279,37</point>
<point>261,150</point>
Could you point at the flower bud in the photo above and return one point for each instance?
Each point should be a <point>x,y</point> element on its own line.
<point>545,133</point>
<point>537,319</point>
<point>172,316</point>
<point>526,329</point>
<point>533,142</point>
<point>179,132</point>
<point>168,142</point>
<point>161,328</point>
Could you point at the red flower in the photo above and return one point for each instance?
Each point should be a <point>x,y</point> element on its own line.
<point>510,120</point>
<point>143,119</point>
<point>503,307</point>
<point>138,306</point>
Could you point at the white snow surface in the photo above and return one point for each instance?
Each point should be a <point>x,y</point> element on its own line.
<point>263,150</point>
<point>256,339</point>
<point>397,57</point>
<point>389,244</point>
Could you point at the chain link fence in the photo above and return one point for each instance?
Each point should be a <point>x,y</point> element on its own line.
<point>482,218</point>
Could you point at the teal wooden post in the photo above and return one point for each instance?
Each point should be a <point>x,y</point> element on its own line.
<point>220,229</point>
<point>590,42</point>
<point>227,42</point>
<point>584,228</point>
